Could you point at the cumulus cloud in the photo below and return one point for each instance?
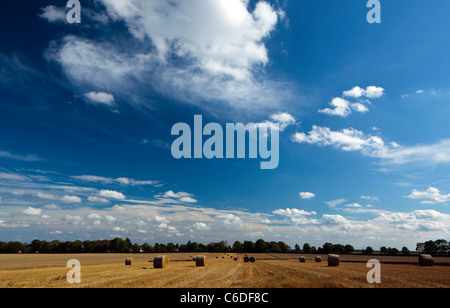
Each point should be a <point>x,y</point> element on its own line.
<point>219,45</point>
<point>223,36</point>
<point>284,119</point>
<point>342,107</point>
<point>230,219</point>
<point>419,220</point>
<point>293,212</point>
<point>351,139</point>
<point>334,220</point>
<point>182,196</point>
<point>200,226</point>
<point>30,211</point>
<point>307,195</point>
<point>101,98</point>
<point>369,92</point>
<point>111,194</point>
<point>162,219</point>
<point>433,195</point>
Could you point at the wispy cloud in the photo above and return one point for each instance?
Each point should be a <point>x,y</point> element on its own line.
<point>351,139</point>
<point>53,14</point>
<point>13,156</point>
<point>121,180</point>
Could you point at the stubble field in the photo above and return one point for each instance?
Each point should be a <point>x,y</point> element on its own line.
<point>222,271</point>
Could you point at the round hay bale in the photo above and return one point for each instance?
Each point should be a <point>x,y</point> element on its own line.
<point>333,260</point>
<point>318,259</point>
<point>246,259</point>
<point>252,259</point>
<point>426,260</point>
<point>200,261</point>
<point>160,262</point>
<point>302,259</point>
<point>235,259</point>
<point>129,261</point>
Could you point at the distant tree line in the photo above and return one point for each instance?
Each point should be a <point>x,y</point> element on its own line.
<point>435,248</point>
<point>118,245</point>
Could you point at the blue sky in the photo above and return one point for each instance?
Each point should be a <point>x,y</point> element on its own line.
<point>86,112</point>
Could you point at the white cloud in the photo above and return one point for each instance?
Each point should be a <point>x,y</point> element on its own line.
<point>94,216</point>
<point>13,177</point>
<point>369,92</point>
<point>121,180</point>
<point>371,198</point>
<point>284,119</point>
<point>188,200</point>
<point>230,219</point>
<point>73,219</point>
<point>222,35</point>
<point>30,211</point>
<point>293,212</point>
<point>46,196</point>
<point>334,220</point>
<point>348,139</point>
<point>133,182</point>
<point>111,194</point>
<point>200,226</point>
<point>297,216</point>
<point>162,219</point>
<point>93,178</point>
<point>52,206</point>
<point>71,199</point>
<point>335,203</point>
<point>307,195</point>
<point>110,219</point>
<point>182,196</point>
<point>101,98</point>
<point>351,139</point>
<point>219,46</point>
<point>26,158</point>
<point>432,193</point>
<point>97,199</point>
<point>419,220</point>
<point>53,14</point>
<point>343,108</point>
<point>354,205</point>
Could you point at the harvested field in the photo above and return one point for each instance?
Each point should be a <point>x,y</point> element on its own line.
<point>109,271</point>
